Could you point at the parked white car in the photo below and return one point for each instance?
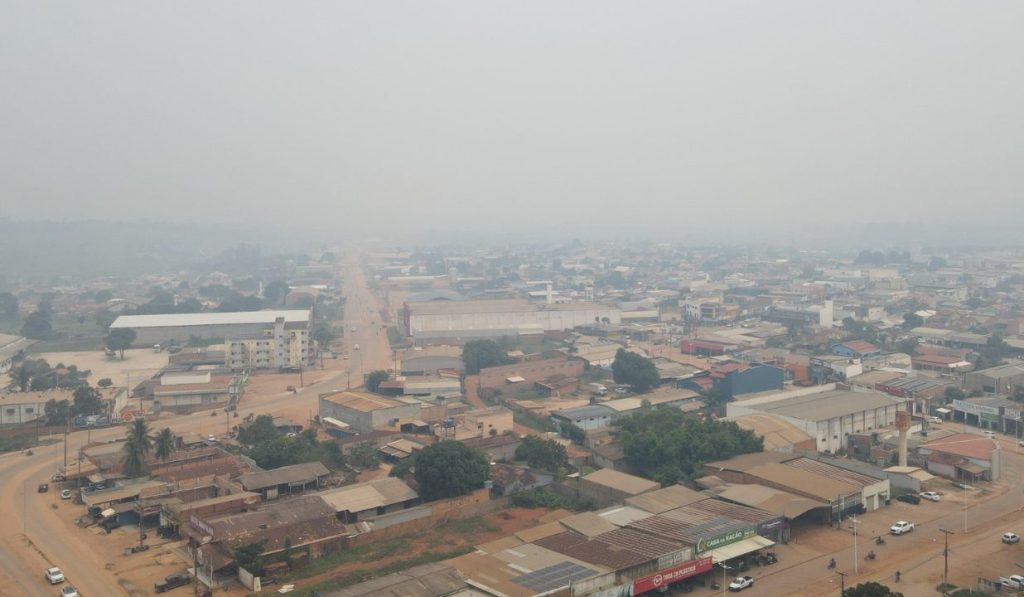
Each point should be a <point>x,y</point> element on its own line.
<point>1014,581</point>
<point>901,527</point>
<point>1011,538</point>
<point>930,496</point>
<point>54,575</point>
<point>936,420</point>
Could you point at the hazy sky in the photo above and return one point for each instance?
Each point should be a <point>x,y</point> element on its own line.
<point>493,115</point>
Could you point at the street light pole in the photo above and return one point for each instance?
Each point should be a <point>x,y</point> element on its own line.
<point>724,583</point>
<point>842,583</point>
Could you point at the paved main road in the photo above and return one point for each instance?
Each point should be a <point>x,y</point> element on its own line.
<point>34,535</point>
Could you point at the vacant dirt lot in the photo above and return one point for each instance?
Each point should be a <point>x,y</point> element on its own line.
<point>142,361</point>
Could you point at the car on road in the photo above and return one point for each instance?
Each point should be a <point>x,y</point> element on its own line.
<point>1011,538</point>
<point>1014,581</point>
<point>740,583</point>
<point>65,495</point>
<point>931,496</point>
<point>353,328</point>
<point>901,527</point>
<point>936,420</point>
<point>172,581</point>
<point>43,487</point>
<point>908,498</point>
<point>990,434</point>
<point>58,477</point>
<point>54,575</point>
<point>355,347</point>
<point>68,591</point>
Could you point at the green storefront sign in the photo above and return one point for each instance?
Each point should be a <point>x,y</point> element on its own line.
<point>716,541</point>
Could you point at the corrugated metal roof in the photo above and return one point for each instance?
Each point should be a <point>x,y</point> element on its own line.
<point>832,472</point>
<point>803,482</point>
<point>666,498</point>
<point>371,494</point>
<point>621,481</point>
<point>305,472</point>
<point>769,499</point>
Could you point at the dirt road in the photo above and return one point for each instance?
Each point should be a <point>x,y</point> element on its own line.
<point>38,531</point>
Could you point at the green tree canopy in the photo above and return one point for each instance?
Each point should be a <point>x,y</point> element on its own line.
<point>275,292</point>
<point>635,371</point>
<point>119,339</point>
<point>261,430</point>
<point>572,431</point>
<point>480,354</point>
<point>669,446</point>
<point>912,320</point>
<point>870,589</point>
<point>450,469</point>
<point>57,411</point>
<point>37,326</point>
<point>373,379</point>
<point>87,401</point>
<point>285,450</point>
<point>103,319</point>
<point>540,453</point>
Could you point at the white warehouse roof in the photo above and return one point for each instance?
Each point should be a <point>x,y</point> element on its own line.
<point>189,319</point>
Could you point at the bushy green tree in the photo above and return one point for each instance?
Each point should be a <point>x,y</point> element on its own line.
<point>87,401</point>
<point>119,339</point>
<point>540,453</point>
<point>635,371</point>
<point>573,432</point>
<point>669,446</point>
<point>57,411</point>
<point>284,451</point>
<point>373,379</point>
<point>250,557</point>
<point>480,354</point>
<point>260,430</point>
<point>450,469</point>
<point>364,455</point>
<point>37,326</point>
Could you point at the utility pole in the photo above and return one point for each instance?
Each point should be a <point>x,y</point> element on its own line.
<point>856,558</point>
<point>842,583</point>
<point>945,555</point>
<point>67,428</point>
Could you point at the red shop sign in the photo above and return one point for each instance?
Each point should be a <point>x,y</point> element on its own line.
<point>671,575</point>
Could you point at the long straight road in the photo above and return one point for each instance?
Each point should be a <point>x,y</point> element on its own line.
<point>34,534</point>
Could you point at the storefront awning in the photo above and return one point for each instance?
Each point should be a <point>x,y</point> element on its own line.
<point>740,548</point>
<point>944,411</point>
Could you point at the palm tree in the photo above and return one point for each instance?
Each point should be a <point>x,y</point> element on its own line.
<point>164,444</point>
<point>136,448</point>
<point>134,462</point>
<point>139,433</point>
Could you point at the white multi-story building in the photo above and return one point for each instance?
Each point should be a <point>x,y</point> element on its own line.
<point>253,339</point>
